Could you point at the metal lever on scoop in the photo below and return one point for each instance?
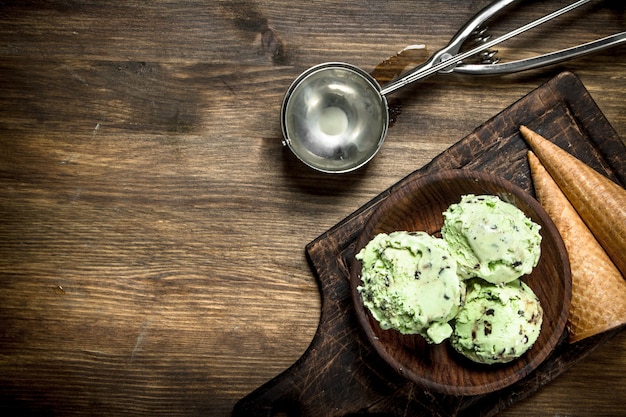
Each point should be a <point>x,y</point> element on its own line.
<point>466,32</point>
<point>542,60</point>
<point>447,58</point>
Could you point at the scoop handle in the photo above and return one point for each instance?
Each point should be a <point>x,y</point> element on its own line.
<point>545,59</point>
<point>431,67</point>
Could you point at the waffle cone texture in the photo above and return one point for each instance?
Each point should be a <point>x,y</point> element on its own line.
<point>598,289</point>
<point>600,202</point>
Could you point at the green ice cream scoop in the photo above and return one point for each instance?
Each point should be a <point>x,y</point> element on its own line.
<point>410,284</point>
<point>491,238</point>
<point>497,323</point>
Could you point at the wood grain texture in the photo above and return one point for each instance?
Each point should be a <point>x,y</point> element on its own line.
<point>152,225</point>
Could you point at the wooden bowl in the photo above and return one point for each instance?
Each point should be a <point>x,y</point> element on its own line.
<point>419,206</point>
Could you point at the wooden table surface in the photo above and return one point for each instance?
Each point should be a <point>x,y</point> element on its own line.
<point>153,226</point>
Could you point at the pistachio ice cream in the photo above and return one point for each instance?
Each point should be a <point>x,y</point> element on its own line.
<point>491,239</point>
<point>410,284</point>
<point>497,323</point>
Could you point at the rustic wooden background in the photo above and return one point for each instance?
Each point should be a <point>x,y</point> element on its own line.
<point>152,225</point>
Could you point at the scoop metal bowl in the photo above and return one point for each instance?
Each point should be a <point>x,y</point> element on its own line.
<point>334,117</point>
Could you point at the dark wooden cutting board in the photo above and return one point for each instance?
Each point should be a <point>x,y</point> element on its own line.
<point>340,374</point>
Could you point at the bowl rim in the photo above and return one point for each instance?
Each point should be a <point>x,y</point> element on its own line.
<point>364,317</point>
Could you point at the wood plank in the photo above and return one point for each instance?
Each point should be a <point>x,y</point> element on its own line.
<point>152,225</point>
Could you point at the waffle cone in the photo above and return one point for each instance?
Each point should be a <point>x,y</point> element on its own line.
<point>598,289</point>
<point>599,201</point>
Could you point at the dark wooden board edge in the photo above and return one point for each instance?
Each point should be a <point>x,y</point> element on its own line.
<point>340,374</point>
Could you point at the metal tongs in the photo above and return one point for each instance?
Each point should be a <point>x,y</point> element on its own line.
<point>449,59</point>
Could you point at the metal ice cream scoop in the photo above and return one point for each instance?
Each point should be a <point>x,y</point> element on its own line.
<point>334,116</point>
